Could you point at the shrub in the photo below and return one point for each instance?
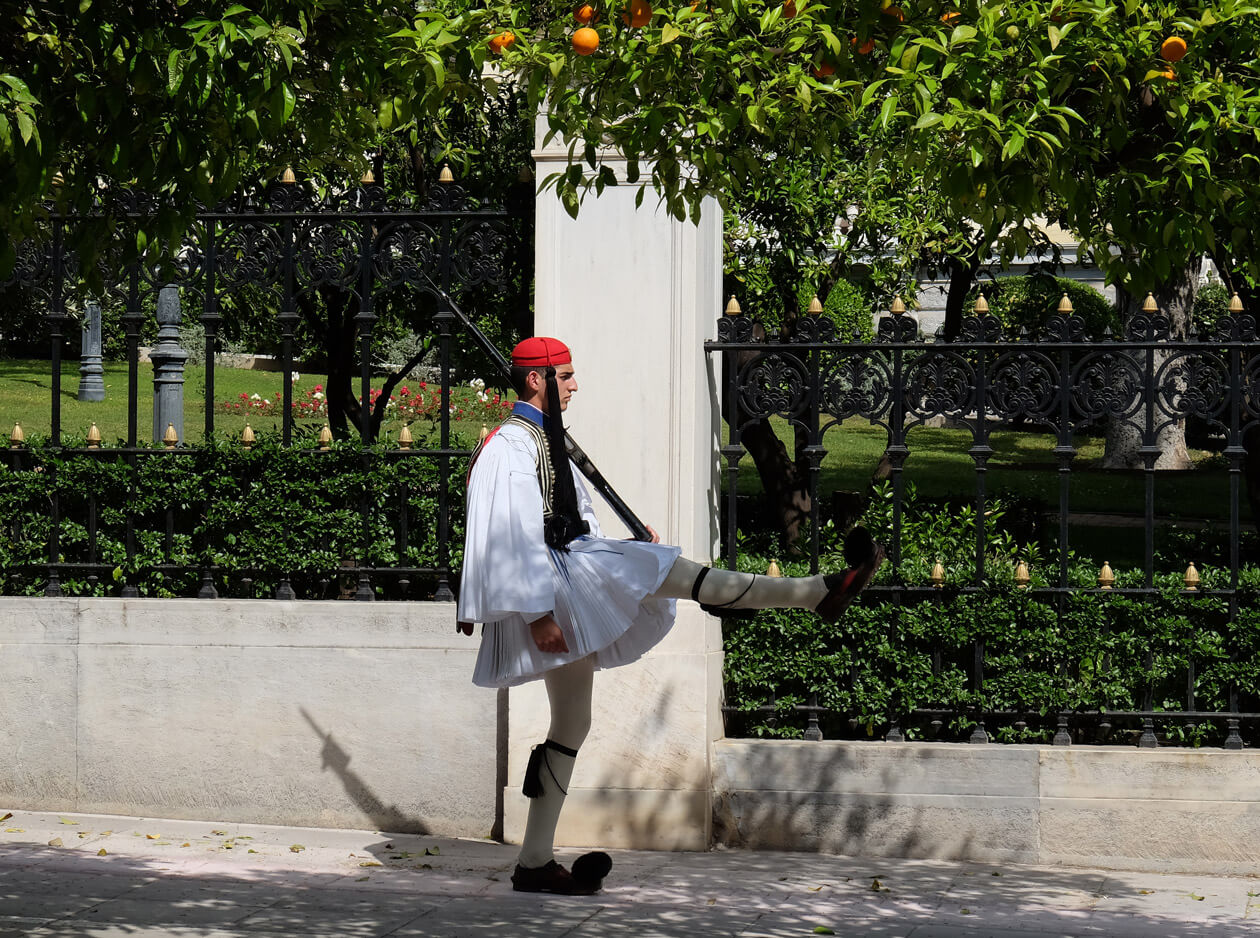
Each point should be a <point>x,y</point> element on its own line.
<point>1096,653</point>
<point>1028,302</point>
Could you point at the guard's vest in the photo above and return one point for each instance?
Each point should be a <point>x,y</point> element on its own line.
<point>546,478</point>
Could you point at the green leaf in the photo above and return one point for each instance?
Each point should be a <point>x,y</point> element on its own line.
<point>290,100</point>
<point>930,119</point>
<point>669,32</point>
<point>26,126</point>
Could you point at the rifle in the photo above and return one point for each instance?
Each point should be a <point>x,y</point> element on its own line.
<point>637,528</point>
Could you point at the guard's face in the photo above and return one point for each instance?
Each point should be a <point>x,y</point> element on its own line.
<point>566,384</point>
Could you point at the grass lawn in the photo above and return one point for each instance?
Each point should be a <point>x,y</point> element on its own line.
<point>1023,463</point>
<point>26,394</point>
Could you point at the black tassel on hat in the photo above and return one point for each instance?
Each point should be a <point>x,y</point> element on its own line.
<point>566,521</point>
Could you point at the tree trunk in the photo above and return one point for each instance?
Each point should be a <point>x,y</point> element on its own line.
<point>1124,437</point>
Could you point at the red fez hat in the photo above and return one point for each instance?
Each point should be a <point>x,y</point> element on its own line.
<point>541,351</point>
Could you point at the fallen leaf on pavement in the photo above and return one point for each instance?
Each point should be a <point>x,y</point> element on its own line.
<point>1196,898</point>
<point>55,842</point>
<point>431,851</point>
<point>185,844</point>
<point>220,833</point>
<point>152,836</point>
<point>1146,892</point>
<point>822,930</point>
<point>14,830</point>
<point>363,879</point>
<point>369,863</point>
<point>296,848</point>
<point>66,820</point>
<point>102,853</point>
<point>7,816</point>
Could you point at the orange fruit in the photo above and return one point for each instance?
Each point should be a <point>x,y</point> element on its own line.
<point>502,41</point>
<point>824,70</point>
<point>896,13</point>
<point>789,9</point>
<point>949,19</point>
<point>1173,49</point>
<point>637,14</point>
<point>865,48</point>
<point>585,40</point>
<point>1168,73</point>
<point>584,14</point>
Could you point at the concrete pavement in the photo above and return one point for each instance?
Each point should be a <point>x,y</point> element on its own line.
<point>90,876</point>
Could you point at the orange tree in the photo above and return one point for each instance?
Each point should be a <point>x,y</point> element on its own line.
<point>1008,111</point>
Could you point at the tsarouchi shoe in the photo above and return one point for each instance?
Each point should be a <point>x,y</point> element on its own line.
<point>843,587</point>
<point>552,878</point>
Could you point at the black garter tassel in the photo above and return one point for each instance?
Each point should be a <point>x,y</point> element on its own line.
<point>532,786</point>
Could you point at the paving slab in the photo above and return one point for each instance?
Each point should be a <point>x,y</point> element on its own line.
<point>83,876</point>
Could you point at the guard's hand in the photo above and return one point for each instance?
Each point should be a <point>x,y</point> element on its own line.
<point>548,637</point>
<point>656,538</point>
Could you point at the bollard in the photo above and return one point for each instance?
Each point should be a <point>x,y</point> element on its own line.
<point>91,373</point>
<point>168,367</point>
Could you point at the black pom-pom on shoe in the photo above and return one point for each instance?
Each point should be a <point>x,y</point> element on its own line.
<point>589,869</point>
<point>859,547</point>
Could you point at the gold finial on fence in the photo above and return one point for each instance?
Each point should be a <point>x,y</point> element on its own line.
<point>1106,578</point>
<point>1065,305</point>
<point>1022,579</point>
<point>17,437</point>
<point>446,175</point>
<point>1192,578</point>
<point>287,177</point>
<point>170,438</point>
<point>325,437</point>
<point>937,576</point>
<point>94,437</point>
<point>247,436</point>
<point>982,305</point>
<point>897,307</point>
<point>368,177</point>
<point>1235,304</point>
<point>1149,305</point>
<point>815,306</point>
<point>773,569</point>
<point>732,306</point>
<point>404,437</point>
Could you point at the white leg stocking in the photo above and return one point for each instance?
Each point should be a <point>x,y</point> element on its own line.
<point>569,694</point>
<point>741,590</point>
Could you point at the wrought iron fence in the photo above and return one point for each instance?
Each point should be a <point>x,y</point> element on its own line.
<point>285,244</point>
<point>1062,382</point>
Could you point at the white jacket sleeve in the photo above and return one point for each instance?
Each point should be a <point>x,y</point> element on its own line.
<point>506,565</point>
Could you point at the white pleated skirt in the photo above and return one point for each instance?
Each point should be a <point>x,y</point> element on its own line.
<point>603,606</point>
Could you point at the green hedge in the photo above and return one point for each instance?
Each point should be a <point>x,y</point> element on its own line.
<point>1028,302</point>
<point>264,513</point>
<point>878,662</point>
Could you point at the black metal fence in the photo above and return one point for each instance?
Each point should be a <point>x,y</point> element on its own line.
<point>1063,383</point>
<point>289,246</point>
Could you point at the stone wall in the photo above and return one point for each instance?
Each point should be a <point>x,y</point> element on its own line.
<point>1191,810</point>
<point>328,714</point>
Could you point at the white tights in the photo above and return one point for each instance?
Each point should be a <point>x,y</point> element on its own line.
<point>742,590</point>
<point>569,694</point>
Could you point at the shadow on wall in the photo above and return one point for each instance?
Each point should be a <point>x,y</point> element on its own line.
<point>797,798</point>
<point>383,817</point>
